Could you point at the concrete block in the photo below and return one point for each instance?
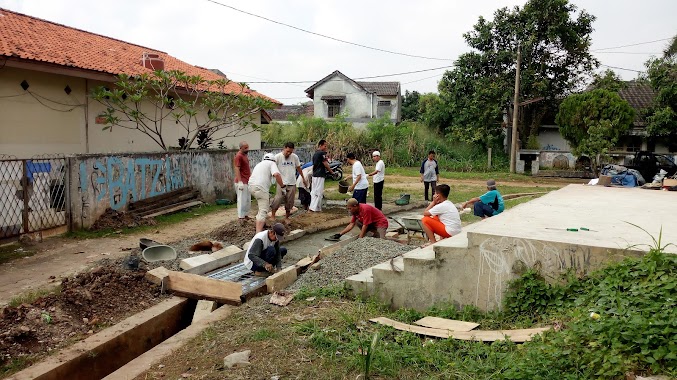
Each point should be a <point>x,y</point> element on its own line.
<point>316,266</point>
<point>225,251</point>
<point>157,275</point>
<point>195,261</point>
<point>293,235</point>
<point>281,279</point>
<point>203,309</point>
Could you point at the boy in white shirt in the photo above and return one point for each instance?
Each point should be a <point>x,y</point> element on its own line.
<point>259,185</point>
<point>441,216</point>
<point>288,163</point>
<point>379,177</point>
<point>360,182</point>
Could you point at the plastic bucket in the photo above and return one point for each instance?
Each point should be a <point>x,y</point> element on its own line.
<point>159,253</point>
<point>343,187</point>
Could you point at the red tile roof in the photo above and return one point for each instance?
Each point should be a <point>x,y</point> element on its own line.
<point>34,39</point>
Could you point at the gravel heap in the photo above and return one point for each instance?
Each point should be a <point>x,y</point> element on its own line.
<point>349,260</point>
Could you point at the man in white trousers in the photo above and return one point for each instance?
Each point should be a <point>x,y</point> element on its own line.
<point>320,169</point>
<point>242,173</point>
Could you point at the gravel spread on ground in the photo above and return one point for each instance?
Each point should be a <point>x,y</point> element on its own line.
<point>349,260</point>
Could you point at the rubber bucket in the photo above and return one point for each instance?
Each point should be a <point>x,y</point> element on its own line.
<point>343,187</point>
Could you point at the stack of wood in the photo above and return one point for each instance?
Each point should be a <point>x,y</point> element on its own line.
<point>166,203</point>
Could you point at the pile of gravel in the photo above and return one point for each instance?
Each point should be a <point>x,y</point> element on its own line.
<point>349,260</point>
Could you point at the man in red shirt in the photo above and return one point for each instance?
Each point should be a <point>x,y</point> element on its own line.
<point>366,217</point>
<point>242,173</point>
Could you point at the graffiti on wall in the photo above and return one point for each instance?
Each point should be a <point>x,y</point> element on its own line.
<point>124,180</point>
<point>506,257</point>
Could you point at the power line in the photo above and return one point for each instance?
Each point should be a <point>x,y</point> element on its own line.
<point>623,52</point>
<point>621,68</point>
<point>418,80</point>
<point>636,44</point>
<point>326,36</point>
<point>370,77</point>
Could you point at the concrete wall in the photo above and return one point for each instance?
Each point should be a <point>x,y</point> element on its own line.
<point>549,138</point>
<point>44,119</point>
<point>102,181</point>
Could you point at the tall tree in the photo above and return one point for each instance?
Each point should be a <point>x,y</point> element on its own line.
<point>662,115</point>
<point>609,80</point>
<point>593,121</point>
<point>555,39</point>
<point>203,111</point>
<point>410,106</point>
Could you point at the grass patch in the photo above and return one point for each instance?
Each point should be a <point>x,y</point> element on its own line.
<point>264,334</point>
<point>162,221</point>
<point>30,297</point>
<point>333,291</point>
<point>13,251</point>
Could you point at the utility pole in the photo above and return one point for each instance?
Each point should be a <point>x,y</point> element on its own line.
<point>515,111</point>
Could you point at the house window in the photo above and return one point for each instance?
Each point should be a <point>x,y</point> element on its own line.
<point>333,108</point>
<point>383,108</point>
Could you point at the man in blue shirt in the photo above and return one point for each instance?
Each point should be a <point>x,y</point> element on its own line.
<point>487,204</point>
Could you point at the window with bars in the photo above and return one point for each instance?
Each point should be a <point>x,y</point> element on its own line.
<point>333,108</point>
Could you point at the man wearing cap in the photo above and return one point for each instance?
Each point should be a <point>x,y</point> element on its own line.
<point>379,178</point>
<point>487,204</point>
<point>360,182</point>
<point>264,252</point>
<point>259,186</point>
<point>366,217</point>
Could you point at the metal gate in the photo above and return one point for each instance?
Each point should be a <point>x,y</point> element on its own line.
<point>33,194</point>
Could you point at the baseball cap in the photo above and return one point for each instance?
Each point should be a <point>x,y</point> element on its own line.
<point>269,157</point>
<point>376,153</point>
<point>491,183</point>
<point>279,230</point>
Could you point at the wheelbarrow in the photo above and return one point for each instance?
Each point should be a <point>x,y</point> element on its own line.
<point>411,226</point>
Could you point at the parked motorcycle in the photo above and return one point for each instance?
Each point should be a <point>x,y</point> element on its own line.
<point>336,167</point>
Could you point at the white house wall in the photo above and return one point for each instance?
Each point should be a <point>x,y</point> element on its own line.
<point>46,120</point>
<point>39,121</point>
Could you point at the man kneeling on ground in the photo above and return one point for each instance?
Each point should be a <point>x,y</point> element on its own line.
<point>441,216</point>
<point>487,204</point>
<point>366,217</point>
<point>264,252</point>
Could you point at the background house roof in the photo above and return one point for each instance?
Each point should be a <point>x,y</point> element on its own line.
<point>285,112</point>
<point>378,88</point>
<point>640,96</point>
<point>382,88</point>
<point>33,39</point>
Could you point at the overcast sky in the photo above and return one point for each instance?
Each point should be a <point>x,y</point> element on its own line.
<point>251,49</point>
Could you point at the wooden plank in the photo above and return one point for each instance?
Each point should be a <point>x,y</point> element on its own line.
<point>328,250</point>
<point>439,333</point>
<point>174,209</point>
<point>157,275</point>
<point>199,287</point>
<point>159,198</point>
<point>221,258</point>
<point>147,209</point>
<point>446,324</point>
<point>517,336</point>
<point>281,279</point>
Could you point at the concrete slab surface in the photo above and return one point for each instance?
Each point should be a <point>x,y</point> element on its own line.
<point>604,210</point>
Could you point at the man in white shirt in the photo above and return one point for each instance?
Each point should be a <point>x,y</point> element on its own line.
<point>379,178</point>
<point>264,252</point>
<point>259,186</point>
<point>360,182</point>
<point>441,217</point>
<point>289,164</point>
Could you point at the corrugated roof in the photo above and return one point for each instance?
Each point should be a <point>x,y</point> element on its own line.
<point>640,96</point>
<point>33,39</point>
<point>382,88</point>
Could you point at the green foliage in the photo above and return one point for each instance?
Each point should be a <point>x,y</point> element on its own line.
<point>662,116</point>
<point>191,106</point>
<point>410,106</point>
<point>474,94</point>
<point>593,121</point>
<point>608,81</point>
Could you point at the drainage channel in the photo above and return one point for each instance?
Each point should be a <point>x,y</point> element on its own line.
<point>110,352</point>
